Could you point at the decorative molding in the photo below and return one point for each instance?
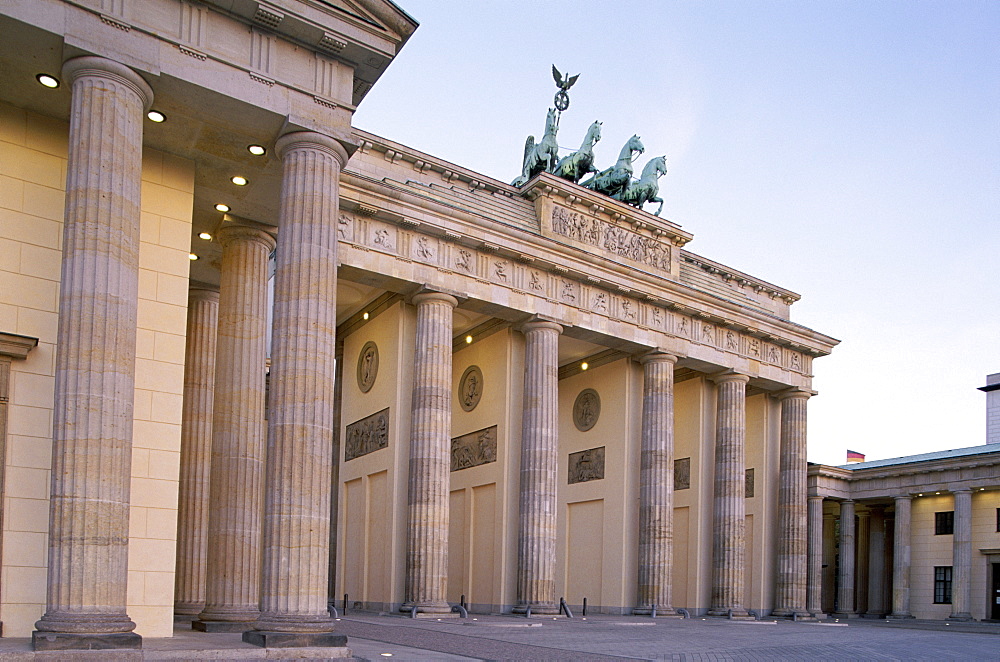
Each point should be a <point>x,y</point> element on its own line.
<point>367,435</point>
<point>16,346</point>
<point>470,388</point>
<point>474,449</point>
<point>586,465</point>
<point>367,366</point>
<point>612,238</point>
<point>586,409</point>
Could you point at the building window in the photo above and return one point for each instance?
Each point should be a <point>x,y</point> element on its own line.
<point>942,585</point>
<point>944,525</point>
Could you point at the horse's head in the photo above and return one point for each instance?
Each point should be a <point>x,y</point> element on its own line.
<point>657,166</point>
<point>550,121</point>
<point>635,145</point>
<point>594,132</point>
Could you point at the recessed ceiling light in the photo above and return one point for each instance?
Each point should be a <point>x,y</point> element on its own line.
<point>47,80</point>
<point>156,116</point>
<point>468,340</point>
<point>256,150</point>
<point>192,257</point>
<point>240,181</point>
<point>365,316</point>
<point>221,207</point>
<point>204,235</point>
<point>584,365</point>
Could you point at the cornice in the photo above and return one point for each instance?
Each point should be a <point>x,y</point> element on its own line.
<point>16,346</point>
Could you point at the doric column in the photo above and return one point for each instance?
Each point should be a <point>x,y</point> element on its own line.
<point>961,559</point>
<point>296,541</point>
<point>876,563</point>
<point>814,592</point>
<point>656,485</point>
<point>95,362</point>
<point>829,593</point>
<point>861,560</point>
<point>901,559</point>
<point>845,577</point>
<point>430,457</point>
<point>233,580</point>
<point>196,451</point>
<point>729,529</point>
<point>536,544</point>
<point>790,593</point>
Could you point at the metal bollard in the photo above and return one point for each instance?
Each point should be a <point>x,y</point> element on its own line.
<point>461,611</point>
<point>652,612</point>
<point>564,608</point>
<point>585,606</point>
<point>684,613</point>
<point>345,604</point>
<point>527,611</point>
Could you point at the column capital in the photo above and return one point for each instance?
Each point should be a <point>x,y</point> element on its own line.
<point>656,356</point>
<point>231,233</point>
<point>843,501</point>
<point>311,140</point>
<point>92,65</point>
<point>963,490</point>
<point>902,497</point>
<point>537,324</point>
<point>729,376</point>
<point>203,294</point>
<point>424,297</point>
<point>794,392</point>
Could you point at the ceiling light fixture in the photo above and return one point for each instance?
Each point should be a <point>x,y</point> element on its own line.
<point>256,150</point>
<point>221,207</point>
<point>584,365</point>
<point>204,235</point>
<point>468,340</point>
<point>240,181</point>
<point>47,81</point>
<point>192,256</point>
<point>156,116</point>
<point>365,317</point>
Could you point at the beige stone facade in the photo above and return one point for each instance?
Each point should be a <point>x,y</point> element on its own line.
<point>911,537</point>
<point>538,393</point>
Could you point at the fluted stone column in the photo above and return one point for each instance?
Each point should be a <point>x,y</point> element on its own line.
<point>95,362</point>
<point>790,593</point>
<point>656,486</point>
<point>861,560</point>
<point>901,558</point>
<point>729,529</point>
<point>961,578</point>
<point>829,594</point>
<point>232,592</point>
<point>196,451</point>
<point>536,548</point>
<point>876,563</point>
<point>430,457</point>
<point>814,591</point>
<point>296,541</point>
<point>845,577</point>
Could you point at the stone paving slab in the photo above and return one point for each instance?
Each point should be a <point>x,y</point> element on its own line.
<point>374,637</point>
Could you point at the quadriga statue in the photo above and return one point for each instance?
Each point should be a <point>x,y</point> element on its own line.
<point>541,156</point>
<point>613,180</point>
<point>581,162</point>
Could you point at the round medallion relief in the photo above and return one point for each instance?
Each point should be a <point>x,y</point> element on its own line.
<point>586,409</point>
<point>367,366</point>
<point>470,388</point>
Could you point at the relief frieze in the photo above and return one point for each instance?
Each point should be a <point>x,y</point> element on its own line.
<point>474,449</point>
<point>367,435</point>
<point>586,465</point>
<point>612,238</point>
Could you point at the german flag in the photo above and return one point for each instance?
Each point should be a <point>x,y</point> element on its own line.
<point>854,456</point>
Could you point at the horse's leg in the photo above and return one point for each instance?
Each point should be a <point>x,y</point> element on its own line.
<point>658,209</point>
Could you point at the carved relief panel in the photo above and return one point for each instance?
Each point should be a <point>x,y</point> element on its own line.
<point>367,435</point>
<point>586,465</point>
<point>473,449</point>
<point>682,473</point>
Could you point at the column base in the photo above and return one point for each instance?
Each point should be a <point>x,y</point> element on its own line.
<point>902,616</point>
<point>435,609</point>
<point>544,609</point>
<point>266,639</point>
<point>793,614</point>
<point>961,616</point>
<point>221,626</point>
<point>873,615</point>
<point>661,612</point>
<point>65,641</point>
<point>738,614</point>
<point>846,614</point>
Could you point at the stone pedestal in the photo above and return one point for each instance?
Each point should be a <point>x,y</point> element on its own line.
<point>876,564</point>
<point>656,486</point>
<point>814,590</point>
<point>232,593</point>
<point>845,577</point>
<point>95,362</point>
<point>430,457</point>
<point>536,549</point>
<point>901,559</point>
<point>790,593</point>
<point>196,452</point>
<point>296,541</point>
<point>729,528</point>
<point>961,577</point>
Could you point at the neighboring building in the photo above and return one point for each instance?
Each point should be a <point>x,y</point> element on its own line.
<point>539,391</point>
<point>915,536</point>
<point>992,390</point>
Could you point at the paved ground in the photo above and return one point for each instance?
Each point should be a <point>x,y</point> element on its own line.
<point>373,637</point>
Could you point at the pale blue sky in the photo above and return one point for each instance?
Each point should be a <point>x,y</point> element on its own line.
<point>849,151</point>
